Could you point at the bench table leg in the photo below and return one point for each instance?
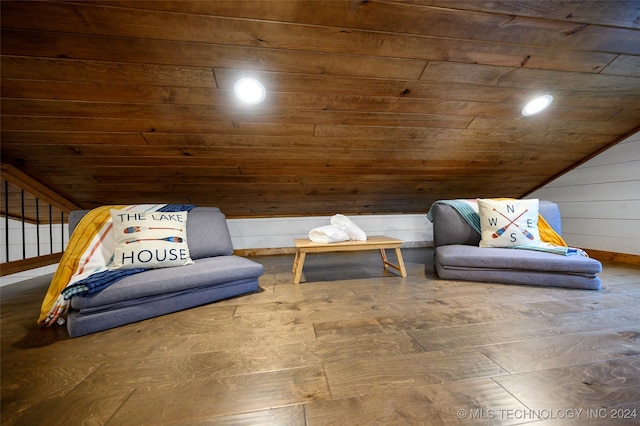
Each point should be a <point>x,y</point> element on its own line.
<point>399,267</point>
<point>298,264</point>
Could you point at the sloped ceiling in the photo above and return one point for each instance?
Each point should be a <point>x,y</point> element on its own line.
<point>372,106</point>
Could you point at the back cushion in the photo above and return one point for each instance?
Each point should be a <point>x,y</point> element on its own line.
<point>450,228</point>
<point>207,231</point>
<point>74,219</point>
<point>551,213</point>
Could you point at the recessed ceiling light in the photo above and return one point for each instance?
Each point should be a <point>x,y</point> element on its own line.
<point>537,105</point>
<point>249,91</point>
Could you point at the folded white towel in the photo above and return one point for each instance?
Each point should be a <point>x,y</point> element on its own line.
<point>344,223</point>
<point>328,234</point>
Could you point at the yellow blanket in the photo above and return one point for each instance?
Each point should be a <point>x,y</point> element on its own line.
<point>89,252</point>
<point>548,234</point>
<point>85,241</point>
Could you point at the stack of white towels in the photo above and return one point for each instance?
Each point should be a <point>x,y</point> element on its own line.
<point>341,229</point>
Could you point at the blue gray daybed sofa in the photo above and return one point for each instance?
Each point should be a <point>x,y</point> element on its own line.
<point>457,255</point>
<point>215,274</point>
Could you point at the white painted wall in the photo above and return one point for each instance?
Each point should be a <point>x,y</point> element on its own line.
<point>600,200</point>
<point>414,229</point>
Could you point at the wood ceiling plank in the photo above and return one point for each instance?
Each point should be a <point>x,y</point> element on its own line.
<point>66,138</point>
<point>481,124</point>
<point>523,125</point>
<point>251,33</point>
<point>584,106</point>
<point>624,65</point>
<point>453,139</point>
<point>432,89</point>
<point>118,94</point>
<point>96,71</point>
<point>232,156</point>
<point>313,200</point>
<point>269,192</point>
<point>315,171</point>
<point>125,51</point>
<point>406,18</point>
<point>122,175</point>
<point>160,189</point>
<point>36,162</point>
<point>103,92</point>
<point>618,13</point>
<point>295,108</point>
<point>627,115</point>
<point>231,175</point>
<point>393,187</point>
<point>89,124</point>
<point>401,105</point>
<point>343,85</point>
<point>370,132</point>
<point>392,173</point>
<point>357,118</point>
<point>54,90</point>
<point>397,105</point>
<point>597,98</point>
<point>278,102</point>
<point>30,107</point>
<point>499,135</point>
<point>522,77</point>
<point>263,122</point>
<point>164,179</point>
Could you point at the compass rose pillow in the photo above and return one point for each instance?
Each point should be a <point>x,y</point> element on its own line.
<point>149,239</point>
<point>508,223</point>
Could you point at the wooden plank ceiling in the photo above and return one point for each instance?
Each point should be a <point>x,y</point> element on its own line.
<point>372,106</point>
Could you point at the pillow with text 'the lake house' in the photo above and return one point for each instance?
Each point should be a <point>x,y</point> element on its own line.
<point>150,239</point>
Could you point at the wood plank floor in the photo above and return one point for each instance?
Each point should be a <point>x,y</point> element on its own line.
<point>351,345</point>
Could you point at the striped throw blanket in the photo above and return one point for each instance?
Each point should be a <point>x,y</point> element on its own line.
<point>84,267</point>
<point>552,242</point>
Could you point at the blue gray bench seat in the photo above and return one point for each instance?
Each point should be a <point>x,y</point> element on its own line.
<point>215,274</point>
<point>457,256</point>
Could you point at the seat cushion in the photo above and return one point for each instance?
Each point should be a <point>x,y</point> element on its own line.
<point>470,257</point>
<point>203,272</point>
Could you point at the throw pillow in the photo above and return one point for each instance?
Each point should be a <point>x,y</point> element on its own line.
<point>149,239</point>
<point>508,223</point>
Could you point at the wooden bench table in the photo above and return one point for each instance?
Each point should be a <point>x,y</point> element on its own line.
<point>375,242</point>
